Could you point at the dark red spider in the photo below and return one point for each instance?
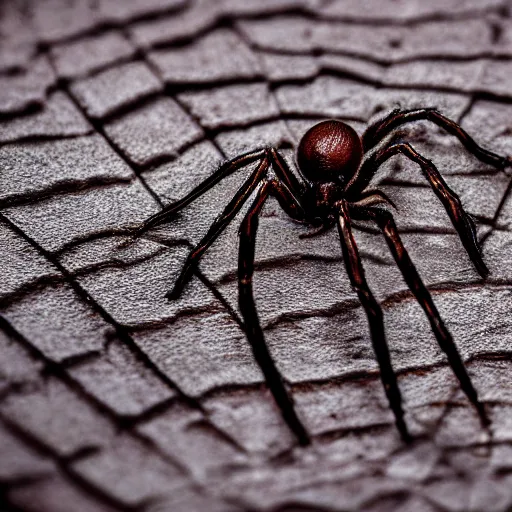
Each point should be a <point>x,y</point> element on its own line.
<point>336,170</point>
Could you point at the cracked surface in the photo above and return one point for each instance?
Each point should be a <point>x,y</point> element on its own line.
<point>113,398</point>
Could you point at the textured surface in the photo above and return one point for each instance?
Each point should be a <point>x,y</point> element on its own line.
<point>113,398</point>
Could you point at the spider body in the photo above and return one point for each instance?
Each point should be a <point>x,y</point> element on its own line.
<point>330,151</point>
<point>336,167</point>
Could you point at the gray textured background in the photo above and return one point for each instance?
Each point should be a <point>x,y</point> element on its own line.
<point>112,398</point>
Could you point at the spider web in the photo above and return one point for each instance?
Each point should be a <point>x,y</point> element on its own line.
<point>112,398</point>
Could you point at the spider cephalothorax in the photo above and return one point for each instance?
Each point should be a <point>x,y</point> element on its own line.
<point>336,167</point>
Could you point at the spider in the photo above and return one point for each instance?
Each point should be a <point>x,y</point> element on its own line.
<point>336,167</point>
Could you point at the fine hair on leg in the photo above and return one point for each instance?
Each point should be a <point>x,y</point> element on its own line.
<point>218,227</point>
<point>223,171</point>
<point>461,220</point>
<point>378,130</point>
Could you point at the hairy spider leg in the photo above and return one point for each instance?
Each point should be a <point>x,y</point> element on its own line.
<point>374,314</point>
<point>387,224</point>
<point>218,227</point>
<point>254,332</point>
<point>371,197</point>
<point>377,131</point>
<point>223,171</point>
<point>284,173</point>
<point>269,156</point>
<point>461,220</point>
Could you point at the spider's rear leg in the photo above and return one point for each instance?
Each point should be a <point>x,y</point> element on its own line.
<point>254,332</point>
<point>387,224</point>
<point>377,131</point>
<point>223,171</point>
<point>375,318</point>
<point>461,220</point>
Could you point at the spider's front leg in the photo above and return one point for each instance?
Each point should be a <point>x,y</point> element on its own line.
<point>254,332</point>
<point>355,272</point>
<point>461,220</point>
<point>218,227</point>
<point>267,157</point>
<point>387,224</point>
<point>378,130</point>
<point>223,171</point>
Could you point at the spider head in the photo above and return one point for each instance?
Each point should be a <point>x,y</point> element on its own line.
<point>330,151</point>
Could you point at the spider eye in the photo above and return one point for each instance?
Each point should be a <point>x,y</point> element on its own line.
<point>330,151</point>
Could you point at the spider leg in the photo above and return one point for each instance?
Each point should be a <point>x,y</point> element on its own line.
<point>372,198</point>
<point>218,227</point>
<point>387,224</point>
<point>248,231</point>
<point>224,170</point>
<point>375,318</point>
<point>462,222</point>
<point>377,131</point>
<point>320,230</point>
<point>284,173</point>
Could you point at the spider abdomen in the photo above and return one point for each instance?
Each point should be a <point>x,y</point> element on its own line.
<point>330,151</point>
